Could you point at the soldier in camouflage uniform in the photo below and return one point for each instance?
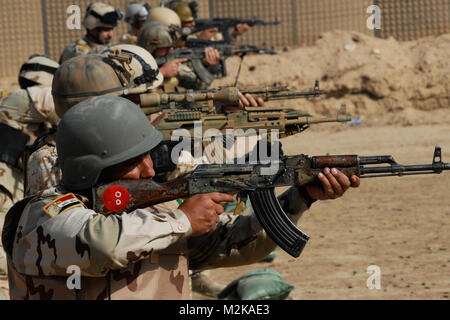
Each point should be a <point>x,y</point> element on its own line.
<point>136,15</point>
<point>143,254</point>
<point>159,39</point>
<point>99,21</point>
<point>24,114</point>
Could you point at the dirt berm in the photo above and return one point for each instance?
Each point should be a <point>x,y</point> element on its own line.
<point>400,90</point>
<point>380,81</point>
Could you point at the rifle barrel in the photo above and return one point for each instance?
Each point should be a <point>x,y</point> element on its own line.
<point>396,169</point>
<point>294,95</point>
<point>399,170</point>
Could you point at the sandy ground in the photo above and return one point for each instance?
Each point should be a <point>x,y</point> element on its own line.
<point>401,225</point>
<point>400,90</point>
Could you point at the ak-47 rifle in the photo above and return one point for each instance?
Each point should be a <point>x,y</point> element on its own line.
<point>196,55</point>
<point>258,182</point>
<point>224,25</point>
<point>218,45</point>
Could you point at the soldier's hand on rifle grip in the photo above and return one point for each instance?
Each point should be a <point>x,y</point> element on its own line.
<point>170,69</point>
<point>333,184</point>
<point>203,211</point>
<point>212,57</point>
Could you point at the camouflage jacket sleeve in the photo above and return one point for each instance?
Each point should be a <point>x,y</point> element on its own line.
<point>43,107</point>
<point>43,170</point>
<point>54,233</point>
<point>240,240</point>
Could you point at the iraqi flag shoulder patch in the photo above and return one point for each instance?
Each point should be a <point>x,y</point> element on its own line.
<point>62,204</point>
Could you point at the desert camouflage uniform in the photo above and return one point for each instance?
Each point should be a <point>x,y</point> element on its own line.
<point>6,202</point>
<point>27,110</point>
<point>79,47</point>
<point>140,255</point>
<point>43,170</point>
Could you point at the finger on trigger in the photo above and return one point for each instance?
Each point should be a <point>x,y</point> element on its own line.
<point>221,197</point>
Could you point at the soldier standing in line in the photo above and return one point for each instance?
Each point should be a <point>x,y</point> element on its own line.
<point>24,115</point>
<point>143,254</point>
<point>99,21</point>
<point>136,15</point>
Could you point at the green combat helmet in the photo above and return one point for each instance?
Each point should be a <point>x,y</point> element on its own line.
<point>183,10</point>
<point>154,35</point>
<point>119,70</point>
<point>98,133</point>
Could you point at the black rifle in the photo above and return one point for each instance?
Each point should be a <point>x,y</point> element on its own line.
<point>196,55</point>
<point>224,25</point>
<point>258,182</point>
<point>219,45</point>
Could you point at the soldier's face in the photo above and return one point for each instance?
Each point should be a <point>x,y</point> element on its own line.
<point>105,35</point>
<point>139,24</point>
<point>161,52</point>
<point>137,168</point>
<point>189,24</point>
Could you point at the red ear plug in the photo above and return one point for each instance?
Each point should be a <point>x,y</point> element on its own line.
<point>116,198</point>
